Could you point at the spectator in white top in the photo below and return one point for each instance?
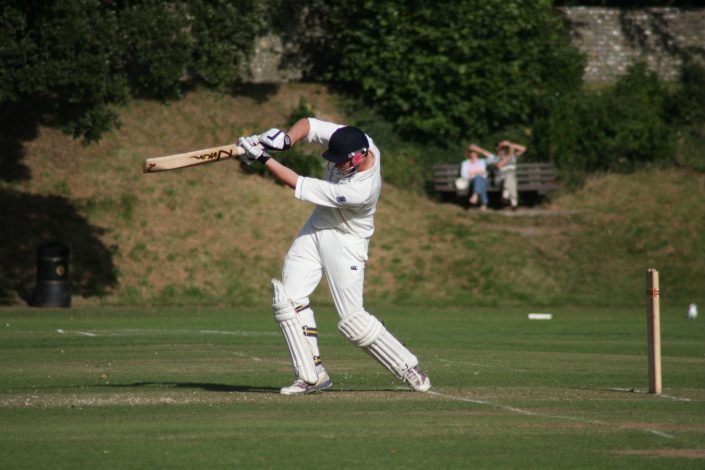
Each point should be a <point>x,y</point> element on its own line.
<point>474,170</point>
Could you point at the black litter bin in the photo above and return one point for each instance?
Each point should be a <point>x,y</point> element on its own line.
<point>53,289</point>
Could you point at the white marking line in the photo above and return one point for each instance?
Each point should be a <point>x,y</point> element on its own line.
<point>541,415</point>
<point>82,333</point>
<point>476,364</point>
<point>636,390</point>
<point>239,333</point>
<point>159,331</point>
<point>659,433</point>
<point>207,332</point>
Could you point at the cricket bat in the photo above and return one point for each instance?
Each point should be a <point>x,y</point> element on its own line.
<point>197,157</point>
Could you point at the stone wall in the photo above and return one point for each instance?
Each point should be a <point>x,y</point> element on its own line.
<point>611,38</point>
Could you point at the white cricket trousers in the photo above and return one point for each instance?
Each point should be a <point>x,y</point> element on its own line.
<point>340,256</point>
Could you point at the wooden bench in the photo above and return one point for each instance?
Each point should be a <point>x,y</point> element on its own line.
<point>539,178</point>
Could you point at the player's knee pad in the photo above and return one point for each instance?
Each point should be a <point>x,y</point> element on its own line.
<point>367,332</point>
<point>290,324</point>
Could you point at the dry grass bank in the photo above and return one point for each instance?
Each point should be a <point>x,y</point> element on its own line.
<point>215,234</point>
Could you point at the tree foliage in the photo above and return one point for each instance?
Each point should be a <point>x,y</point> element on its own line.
<point>74,61</point>
<point>639,121</point>
<point>442,73</point>
<point>60,58</point>
<point>449,69</point>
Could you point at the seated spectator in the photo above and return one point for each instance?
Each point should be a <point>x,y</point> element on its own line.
<point>506,162</point>
<point>474,170</point>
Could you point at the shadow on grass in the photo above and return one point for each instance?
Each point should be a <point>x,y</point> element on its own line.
<point>260,92</point>
<point>27,221</point>
<point>208,387</point>
<point>17,124</point>
<point>212,387</point>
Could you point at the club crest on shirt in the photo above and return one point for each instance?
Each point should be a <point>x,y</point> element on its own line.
<point>353,268</point>
<point>340,199</point>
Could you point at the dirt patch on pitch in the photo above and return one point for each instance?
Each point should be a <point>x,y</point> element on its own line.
<point>666,427</point>
<point>192,394</point>
<point>128,399</point>
<point>677,453</point>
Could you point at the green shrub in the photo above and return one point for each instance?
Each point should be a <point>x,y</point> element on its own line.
<point>58,58</point>
<point>687,109</point>
<point>637,122</point>
<point>74,61</point>
<point>450,69</point>
<point>636,128</point>
<point>157,47</point>
<point>223,33</point>
<point>687,104</point>
<point>303,110</point>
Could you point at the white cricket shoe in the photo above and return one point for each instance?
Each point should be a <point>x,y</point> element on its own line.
<point>417,380</point>
<point>300,387</point>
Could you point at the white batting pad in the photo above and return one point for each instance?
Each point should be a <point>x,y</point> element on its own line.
<point>299,348</point>
<point>367,332</point>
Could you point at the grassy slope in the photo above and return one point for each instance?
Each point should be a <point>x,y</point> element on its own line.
<point>215,234</point>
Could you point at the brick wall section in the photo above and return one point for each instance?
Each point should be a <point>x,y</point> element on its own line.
<point>612,39</point>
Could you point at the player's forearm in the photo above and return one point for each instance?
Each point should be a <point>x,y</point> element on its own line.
<point>281,173</point>
<point>299,130</point>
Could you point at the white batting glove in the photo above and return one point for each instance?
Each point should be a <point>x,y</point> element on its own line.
<point>275,139</point>
<point>253,150</point>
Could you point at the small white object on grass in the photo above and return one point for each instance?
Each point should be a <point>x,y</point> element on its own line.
<point>540,316</point>
<point>692,312</point>
<point>60,331</point>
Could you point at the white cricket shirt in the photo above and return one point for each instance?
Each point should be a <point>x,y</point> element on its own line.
<point>348,205</point>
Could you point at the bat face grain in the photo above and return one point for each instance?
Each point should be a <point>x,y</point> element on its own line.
<point>187,159</point>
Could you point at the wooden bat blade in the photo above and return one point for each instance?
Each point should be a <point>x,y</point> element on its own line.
<point>187,159</point>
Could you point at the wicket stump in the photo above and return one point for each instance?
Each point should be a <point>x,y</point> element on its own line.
<point>653,330</point>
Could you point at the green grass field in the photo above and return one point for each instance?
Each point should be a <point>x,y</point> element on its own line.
<point>198,388</point>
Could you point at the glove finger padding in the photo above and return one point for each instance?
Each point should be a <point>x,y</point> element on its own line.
<point>275,139</point>
<point>253,150</point>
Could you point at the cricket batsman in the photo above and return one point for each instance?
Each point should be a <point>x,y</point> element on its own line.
<point>333,242</point>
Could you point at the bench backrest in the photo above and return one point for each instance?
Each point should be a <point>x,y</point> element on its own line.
<point>539,177</point>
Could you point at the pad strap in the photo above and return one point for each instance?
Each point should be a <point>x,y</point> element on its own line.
<point>368,333</point>
<point>285,315</point>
